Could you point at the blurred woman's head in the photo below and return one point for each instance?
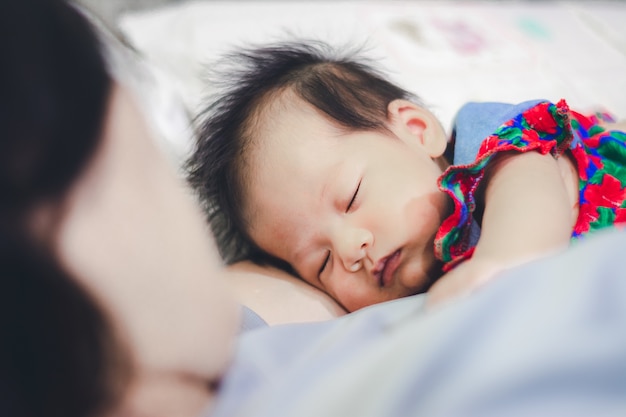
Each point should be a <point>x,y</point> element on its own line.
<point>108,288</point>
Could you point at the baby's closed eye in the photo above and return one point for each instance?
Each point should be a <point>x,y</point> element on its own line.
<point>351,204</point>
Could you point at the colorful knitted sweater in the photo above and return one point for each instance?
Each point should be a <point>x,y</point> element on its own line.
<point>491,128</point>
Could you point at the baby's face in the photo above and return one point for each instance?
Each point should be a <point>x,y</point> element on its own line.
<point>354,213</point>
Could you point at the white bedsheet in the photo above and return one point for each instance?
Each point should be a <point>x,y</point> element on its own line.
<point>544,339</point>
<point>446,52</point>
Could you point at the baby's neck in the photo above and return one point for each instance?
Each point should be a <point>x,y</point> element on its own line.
<point>442,163</point>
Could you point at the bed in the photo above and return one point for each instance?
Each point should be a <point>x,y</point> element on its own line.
<point>448,52</point>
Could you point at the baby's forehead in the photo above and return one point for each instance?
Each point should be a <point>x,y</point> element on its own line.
<point>289,130</point>
<point>275,107</point>
<point>288,113</point>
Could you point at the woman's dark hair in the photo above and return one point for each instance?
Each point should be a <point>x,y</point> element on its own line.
<point>341,85</point>
<point>57,353</point>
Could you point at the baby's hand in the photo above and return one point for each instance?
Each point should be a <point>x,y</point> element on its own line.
<point>461,281</point>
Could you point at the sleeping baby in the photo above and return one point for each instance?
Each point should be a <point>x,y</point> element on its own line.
<point>311,161</point>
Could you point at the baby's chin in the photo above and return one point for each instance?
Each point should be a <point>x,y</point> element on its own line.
<point>418,280</point>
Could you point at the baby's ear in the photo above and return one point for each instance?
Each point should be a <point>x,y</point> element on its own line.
<point>411,122</point>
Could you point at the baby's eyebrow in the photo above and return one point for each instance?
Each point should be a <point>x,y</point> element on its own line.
<point>334,172</point>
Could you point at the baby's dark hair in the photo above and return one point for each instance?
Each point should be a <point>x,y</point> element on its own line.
<point>338,82</point>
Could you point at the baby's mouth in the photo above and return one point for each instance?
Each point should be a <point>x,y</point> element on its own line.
<point>385,269</point>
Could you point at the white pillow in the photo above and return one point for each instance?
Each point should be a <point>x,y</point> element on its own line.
<point>156,91</point>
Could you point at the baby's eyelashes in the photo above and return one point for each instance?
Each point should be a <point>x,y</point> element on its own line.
<point>324,264</point>
<point>354,196</point>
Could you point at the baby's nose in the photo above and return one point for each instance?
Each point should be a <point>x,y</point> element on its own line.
<point>354,248</point>
<point>357,264</point>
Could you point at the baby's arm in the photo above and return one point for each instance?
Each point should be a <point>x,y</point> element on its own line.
<point>530,208</point>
